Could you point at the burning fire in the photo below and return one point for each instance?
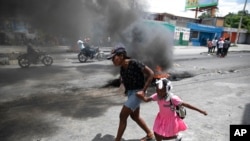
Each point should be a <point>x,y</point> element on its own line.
<point>159,73</point>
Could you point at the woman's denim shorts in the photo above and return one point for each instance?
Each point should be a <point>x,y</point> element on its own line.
<point>133,101</point>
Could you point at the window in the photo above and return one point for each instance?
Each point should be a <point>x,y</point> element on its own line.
<point>194,34</point>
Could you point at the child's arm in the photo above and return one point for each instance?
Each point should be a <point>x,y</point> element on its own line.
<point>194,108</point>
<point>142,96</point>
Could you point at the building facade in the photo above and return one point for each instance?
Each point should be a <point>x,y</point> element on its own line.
<point>202,29</point>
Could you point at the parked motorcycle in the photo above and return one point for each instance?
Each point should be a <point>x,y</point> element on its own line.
<point>24,60</point>
<point>85,54</point>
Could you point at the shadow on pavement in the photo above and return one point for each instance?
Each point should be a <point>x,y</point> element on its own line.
<point>11,76</point>
<point>108,137</point>
<point>93,68</point>
<point>246,115</point>
<point>14,75</point>
<point>39,116</point>
<point>40,108</point>
<point>24,125</point>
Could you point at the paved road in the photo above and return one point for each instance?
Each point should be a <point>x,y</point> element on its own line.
<point>60,103</point>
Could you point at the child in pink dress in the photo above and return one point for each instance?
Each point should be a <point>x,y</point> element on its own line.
<point>167,124</point>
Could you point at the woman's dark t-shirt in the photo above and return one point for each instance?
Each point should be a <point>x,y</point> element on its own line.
<point>132,76</point>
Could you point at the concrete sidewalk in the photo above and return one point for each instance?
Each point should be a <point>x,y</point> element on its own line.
<point>199,49</point>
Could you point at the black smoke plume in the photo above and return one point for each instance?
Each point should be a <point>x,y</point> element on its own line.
<point>122,20</point>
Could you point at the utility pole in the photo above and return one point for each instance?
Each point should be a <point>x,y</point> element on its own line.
<point>239,27</point>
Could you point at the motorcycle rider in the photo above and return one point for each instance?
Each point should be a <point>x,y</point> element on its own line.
<point>33,53</point>
<point>88,49</point>
<point>80,44</point>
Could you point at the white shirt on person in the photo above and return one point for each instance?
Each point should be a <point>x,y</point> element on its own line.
<point>214,42</point>
<point>80,44</point>
<point>221,44</point>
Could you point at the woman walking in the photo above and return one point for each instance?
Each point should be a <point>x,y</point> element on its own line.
<point>132,74</point>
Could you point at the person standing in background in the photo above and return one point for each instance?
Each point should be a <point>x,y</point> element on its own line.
<point>226,46</point>
<point>220,48</point>
<point>214,42</point>
<point>209,46</point>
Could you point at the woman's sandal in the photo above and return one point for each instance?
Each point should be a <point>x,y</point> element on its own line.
<point>147,138</point>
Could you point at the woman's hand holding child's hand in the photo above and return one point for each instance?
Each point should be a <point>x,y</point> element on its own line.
<point>140,94</point>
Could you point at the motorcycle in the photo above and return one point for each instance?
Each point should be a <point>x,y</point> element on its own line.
<point>85,54</point>
<point>24,60</point>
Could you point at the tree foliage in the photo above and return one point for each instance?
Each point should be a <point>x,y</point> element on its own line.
<point>205,15</point>
<point>232,20</point>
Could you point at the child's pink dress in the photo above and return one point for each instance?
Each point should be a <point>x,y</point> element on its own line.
<point>167,123</point>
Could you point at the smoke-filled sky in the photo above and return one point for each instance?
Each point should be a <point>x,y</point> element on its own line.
<point>121,20</point>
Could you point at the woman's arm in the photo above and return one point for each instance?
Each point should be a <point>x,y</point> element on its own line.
<point>193,108</point>
<point>150,75</point>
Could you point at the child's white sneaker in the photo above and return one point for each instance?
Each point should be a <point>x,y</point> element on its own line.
<point>178,138</point>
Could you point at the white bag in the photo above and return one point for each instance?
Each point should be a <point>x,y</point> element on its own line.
<point>180,110</point>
